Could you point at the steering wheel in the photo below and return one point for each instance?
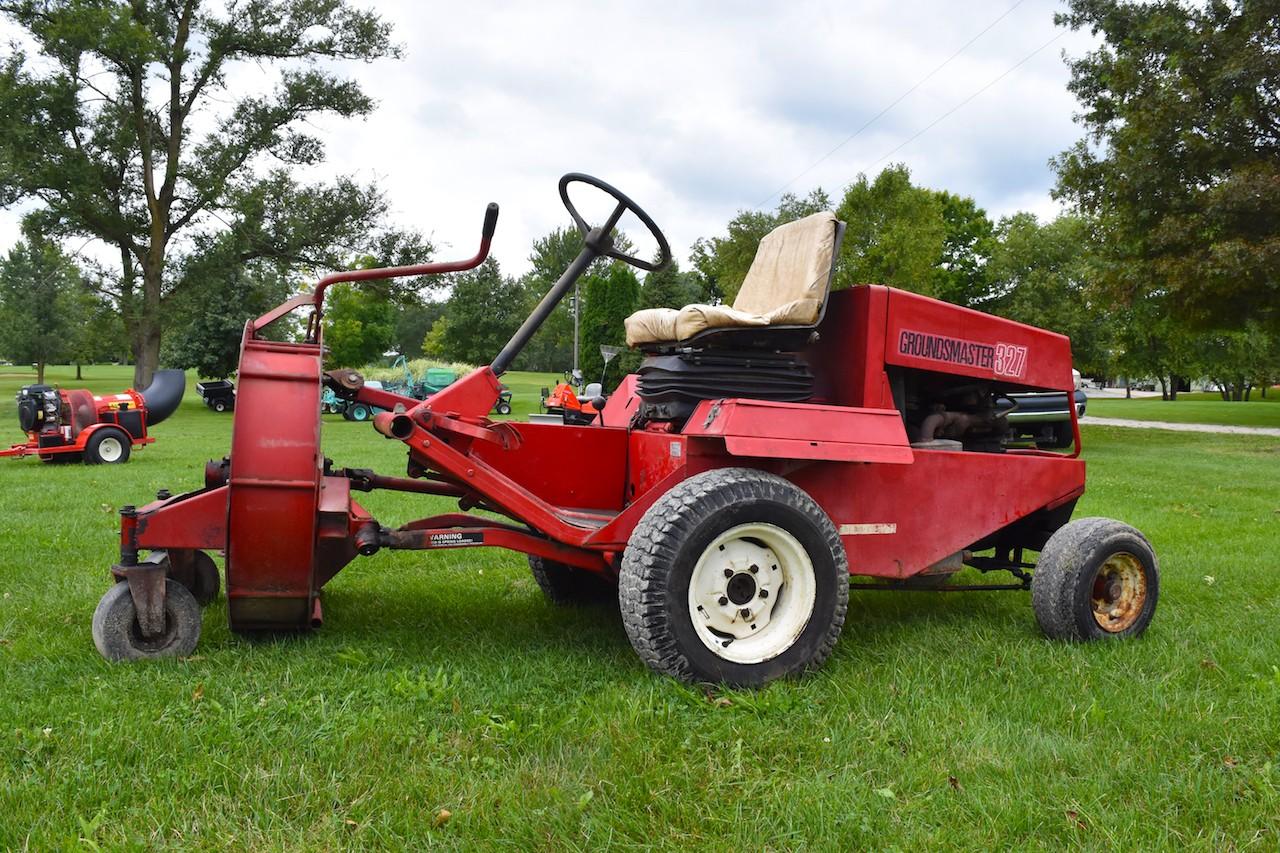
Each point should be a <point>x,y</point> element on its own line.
<point>624,204</point>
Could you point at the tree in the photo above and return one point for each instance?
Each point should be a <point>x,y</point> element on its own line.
<point>40,304</point>
<point>415,318</point>
<point>99,336</point>
<point>482,313</point>
<point>611,294</point>
<point>1040,274</point>
<point>968,240</point>
<point>552,347</point>
<point>895,233</point>
<point>1238,361</point>
<point>1152,342</point>
<point>669,288</point>
<point>1181,159</point>
<point>106,130</point>
<point>359,325</point>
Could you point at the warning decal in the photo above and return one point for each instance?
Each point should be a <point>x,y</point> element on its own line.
<point>452,539</point>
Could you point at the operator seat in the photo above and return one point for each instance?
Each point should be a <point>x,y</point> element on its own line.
<point>752,348</point>
<point>785,291</point>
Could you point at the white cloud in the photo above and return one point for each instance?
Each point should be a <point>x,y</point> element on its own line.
<point>696,110</point>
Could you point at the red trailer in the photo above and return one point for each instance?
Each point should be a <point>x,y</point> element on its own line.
<point>763,454</point>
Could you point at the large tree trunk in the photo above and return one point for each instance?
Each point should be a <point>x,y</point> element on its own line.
<point>146,325</point>
<point>40,372</point>
<point>146,351</point>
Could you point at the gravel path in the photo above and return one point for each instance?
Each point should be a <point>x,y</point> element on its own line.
<point>1219,428</point>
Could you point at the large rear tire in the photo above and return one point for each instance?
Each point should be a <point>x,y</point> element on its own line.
<point>1097,579</point>
<point>734,576</point>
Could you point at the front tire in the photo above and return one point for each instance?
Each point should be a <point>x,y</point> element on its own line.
<point>118,637</point>
<point>107,447</point>
<point>357,412</point>
<point>1097,579</point>
<point>734,576</point>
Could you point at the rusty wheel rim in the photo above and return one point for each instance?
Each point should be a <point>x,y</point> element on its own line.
<point>1119,592</point>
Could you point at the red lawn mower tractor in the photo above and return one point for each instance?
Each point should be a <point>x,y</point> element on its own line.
<point>75,425</point>
<point>764,453</point>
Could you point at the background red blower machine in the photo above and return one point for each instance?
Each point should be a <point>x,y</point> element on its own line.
<point>762,454</point>
<point>72,425</point>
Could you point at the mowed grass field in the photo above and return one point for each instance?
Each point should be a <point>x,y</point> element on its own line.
<point>1197,408</point>
<point>445,682</point>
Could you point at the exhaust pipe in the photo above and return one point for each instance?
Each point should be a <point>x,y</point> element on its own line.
<point>164,394</point>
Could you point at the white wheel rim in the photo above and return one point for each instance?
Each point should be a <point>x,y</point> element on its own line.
<point>747,616</point>
<point>110,449</point>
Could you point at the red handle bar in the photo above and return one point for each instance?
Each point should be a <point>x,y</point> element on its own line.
<point>316,297</point>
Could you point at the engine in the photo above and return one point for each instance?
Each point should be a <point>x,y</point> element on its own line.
<point>39,409</point>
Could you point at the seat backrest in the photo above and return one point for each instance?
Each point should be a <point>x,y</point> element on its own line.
<point>791,275</point>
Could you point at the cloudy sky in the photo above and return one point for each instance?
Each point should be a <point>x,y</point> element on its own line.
<point>700,109</point>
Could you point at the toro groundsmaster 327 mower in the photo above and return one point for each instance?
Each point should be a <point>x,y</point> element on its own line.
<point>74,425</point>
<point>763,453</point>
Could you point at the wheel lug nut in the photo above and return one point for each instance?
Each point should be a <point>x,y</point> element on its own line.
<point>764,593</point>
<point>754,569</point>
<point>728,573</point>
<point>746,614</point>
<point>724,600</point>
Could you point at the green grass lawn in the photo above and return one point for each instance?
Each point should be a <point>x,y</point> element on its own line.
<point>444,681</point>
<point>1198,408</point>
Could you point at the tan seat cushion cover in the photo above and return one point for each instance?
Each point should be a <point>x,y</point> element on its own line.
<point>785,286</point>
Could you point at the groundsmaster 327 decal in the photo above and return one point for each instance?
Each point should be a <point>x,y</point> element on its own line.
<point>1000,358</point>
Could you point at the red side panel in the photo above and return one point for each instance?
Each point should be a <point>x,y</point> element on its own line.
<point>583,467</point>
<point>803,431</point>
<point>848,359</point>
<point>896,520</point>
<point>653,456</point>
<point>930,335</point>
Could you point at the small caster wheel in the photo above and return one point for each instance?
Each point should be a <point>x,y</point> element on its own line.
<point>118,637</point>
<point>504,408</point>
<point>219,405</point>
<point>206,583</point>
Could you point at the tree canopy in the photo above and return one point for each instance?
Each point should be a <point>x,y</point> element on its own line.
<point>125,129</point>
<point>1180,164</point>
<point>611,293</point>
<point>42,305</point>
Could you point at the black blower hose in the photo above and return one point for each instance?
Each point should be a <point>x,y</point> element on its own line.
<point>164,394</point>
